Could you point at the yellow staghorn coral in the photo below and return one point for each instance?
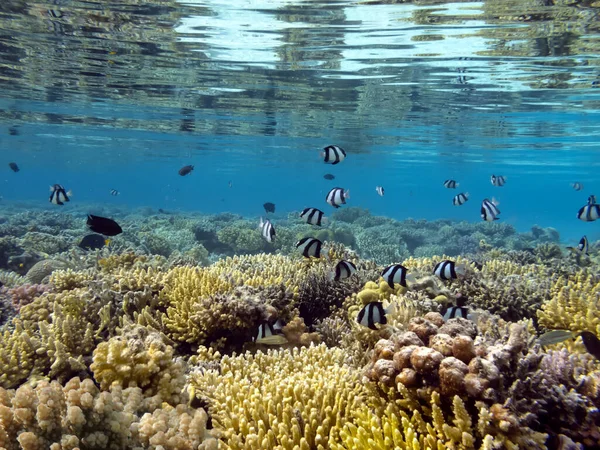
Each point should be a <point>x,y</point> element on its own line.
<point>575,305</point>
<point>65,280</point>
<point>406,422</point>
<point>298,399</point>
<point>21,355</point>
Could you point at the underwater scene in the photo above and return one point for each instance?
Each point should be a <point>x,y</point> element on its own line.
<point>299,224</point>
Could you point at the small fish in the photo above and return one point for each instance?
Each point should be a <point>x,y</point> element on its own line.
<point>269,207</point>
<point>448,270</point>
<point>13,131</point>
<point>13,166</point>
<point>592,343</point>
<point>267,230</point>
<point>58,196</point>
<point>458,310</point>
<point>582,247</point>
<point>460,199</point>
<point>332,154</point>
<point>92,242</point>
<point>344,269</point>
<point>271,334</point>
<point>397,274</point>
<point>329,176</point>
<point>313,216</point>
<point>310,247</point>
<point>556,336</point>
<point>230,184</point>
<point>379,190</point>
<point>337,196</point>
<point>114,192</point>
<point>451,184</point>
<point>102,225</point>
<point>577,186</point>
<point>592,200</point>
<point>489,210</point>
<point>185,170</point>
<point>374,313</point>
<point>498,180</point>
<point>589,213</point>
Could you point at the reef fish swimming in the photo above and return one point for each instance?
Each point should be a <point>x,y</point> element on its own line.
<point>92,242</point>
<point>267,230</point>
<point>114,192</point>
<point>489,210</point>
<point>451,184</point>
<point>58,196</point>
<point>329,176</point>
<point>498,180</point>
<point>313,216</point>
<point>310,247</point>
<point>344,269</point>
<point>397,274</point>
<point>582,247</point>
<point>374,313</point>
<point>577,186</point>
<point>185,170</point>
<point>460,199</point>
<point>103,225</point>
<point>589,212</point>
<point>269,207</point>
<point>337,197</point>
<point>380,191</point>
<point>13,166</point>
<point>448,270</point>
<point>332,154</point>
<point>271,334</point>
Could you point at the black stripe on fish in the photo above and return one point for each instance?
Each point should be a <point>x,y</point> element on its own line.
<point>344,269</point>
<point>450,184</point>
<point>333,154</point>
<point>309,247</point>
<point>395,273</point>
<point>589,213</point>
<point>445,270</point>
<point>460,199</point>
<point>371,314</point>
<point>312,216</point>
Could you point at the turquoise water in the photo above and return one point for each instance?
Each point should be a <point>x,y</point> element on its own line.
<point>120,96</point>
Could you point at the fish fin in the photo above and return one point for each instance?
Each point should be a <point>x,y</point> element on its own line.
<point>466,194</point>
<point>69,193</point>
<point>51,188</point>
<point>347,193</point>
<point>495,202</point>
<point>260,224</point>
<point>324,221</point>
<point>460,269</point>
<point>411,278</point>
<point>392,308</point>
<point>457,184</point>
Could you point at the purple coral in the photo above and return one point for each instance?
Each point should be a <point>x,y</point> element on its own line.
<point>23,295</point>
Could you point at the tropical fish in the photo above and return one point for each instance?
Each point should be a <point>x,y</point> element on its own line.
<point>186,170</point>
<point>13,166</point>
<point>460,199</point>
<point>380,190</point>
<point>451,184</point>
<point>114,192</point>
<point>337,196</point>
<point>458,310</point>
<point>266,229</point>
<point>592,343</point>
<point>589,212</point>
<point>344,269</point>
<point>310,247</point>
<point>489,210</point>
<point>448,270</point>
<point>397,274</point>
<point>271,334</point>
<point>92,242</point>
<point>592,200</point>
<point>332,154</point>
<point>103,225</point>
<point>582,247</point>
<point>14,131</point>
<point>374,313</point>
<point>556,336</point>
<point>58,196</point>
<point>269,207</point>
<point>498,180</point>
<point>313,216</point>
<point>329,176</point>
<point>577,186</point>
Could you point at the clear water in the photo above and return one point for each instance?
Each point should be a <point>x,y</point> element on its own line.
<point>120,95</point>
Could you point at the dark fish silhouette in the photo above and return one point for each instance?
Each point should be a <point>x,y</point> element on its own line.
<point>13,131</point>
<point>592,343</point>
<point>269,207</point>
<point>186,170</point>
<point>102,225</point>
<point>329,176</point>
<point>92,242</point>
<point>13,166</point>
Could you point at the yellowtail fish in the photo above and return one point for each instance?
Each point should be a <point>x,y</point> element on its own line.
<point>556,336</point>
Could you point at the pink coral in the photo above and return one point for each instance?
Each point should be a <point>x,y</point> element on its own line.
<point>25,294</point>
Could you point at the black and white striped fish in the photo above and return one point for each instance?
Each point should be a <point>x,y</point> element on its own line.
<point>380,190</point>
<point>489,210</point>
<point>313,216</point>
<point>374,313</point>
<point>397,274</point>
<point>448,270</point>
<point>451,184</point>
<point>577,186</point>
<point>271,333</point>
<point>592,200</point>
<point>114,192</point>
<point>460,199</point>
<point>589,212</point>
<point>337,197</point>
<point>332,154</point>
<point>310,247</point>
<point>344,269</point>
<point>498,180</point>
<point>58,196</point>
<point>582,247</point>
<point>266,229</point>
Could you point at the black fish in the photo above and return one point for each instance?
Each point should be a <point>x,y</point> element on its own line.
<point>328,176</point>
<point>185,170</point>
<point>592,343</point>
<point>102,225</point>
<point>13,166</point>
<point>13,131</point>
<point>92,242</point>
<point>269,207</point>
